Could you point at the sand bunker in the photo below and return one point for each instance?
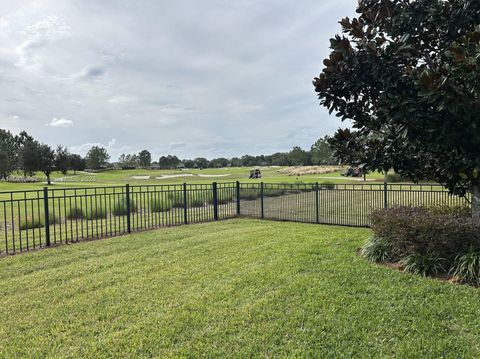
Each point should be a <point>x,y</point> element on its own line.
<point>225,175</point>
<point>141,177</point>
<point>174,176</point>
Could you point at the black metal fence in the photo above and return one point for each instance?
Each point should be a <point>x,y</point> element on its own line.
<point>39,218</point>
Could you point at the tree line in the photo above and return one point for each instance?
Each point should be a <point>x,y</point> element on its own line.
<point>320,153</point>
<point>25,154</point>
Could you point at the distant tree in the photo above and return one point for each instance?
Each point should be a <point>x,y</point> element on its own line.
<point>46,162</point>
<point>97,157</point>
<point>169,162</point>
<point>77,163</point>
<point>219,162</point>
<point>280,159</point>
<point>188,163</point>
<point>201,162</point>
<point>248,161</point>
<point>144,159</point>
<point>8,154</point>
<point>322,152</point>
<point>28,154</point>
<point>236,162</point>
<point>298,157</point>
<point>62,159</point>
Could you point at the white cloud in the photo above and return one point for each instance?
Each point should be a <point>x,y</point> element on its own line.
<point>60,122</point>
<point>38,36</point>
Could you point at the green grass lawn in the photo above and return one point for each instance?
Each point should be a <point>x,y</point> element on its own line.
<point>209,175</point>
<point>238,288</point>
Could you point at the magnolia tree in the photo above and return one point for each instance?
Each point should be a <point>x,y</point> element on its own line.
<point>407,75</point>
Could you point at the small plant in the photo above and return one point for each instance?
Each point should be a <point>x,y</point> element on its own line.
<point>195,202</point>
<point>52,218</point>
<point>467,268</point>
<point>424,264</point>
<point>31,223</point>
<point>160,205</point>
<point>377,250</point>
<point>176,199</point>
<point>75,213</point>
<point>327,185</point>
<point>274,192</point>
<point>249,194</point>
<point>97,213</point>
<point>120,207</point>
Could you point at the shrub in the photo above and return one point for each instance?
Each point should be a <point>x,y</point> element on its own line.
<point>424,264</point>
<point>120,207</point>
<point>275,192</point>
<point>176,199</point>
<point>327,185</point>
<point>377,250</point>
<point>249,194</point>
<point>195,202</point>
<point>31,223</point>
<point>75,213</point>
<point>426,230</point>
<point>224,197</point>
<point>96,213</point>
<point>467,267</point>
<point>160,205</point>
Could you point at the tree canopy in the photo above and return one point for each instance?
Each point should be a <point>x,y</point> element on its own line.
<point>97,157</point>
<point>406,73</point>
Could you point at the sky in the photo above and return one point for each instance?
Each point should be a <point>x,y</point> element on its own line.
<point>210,78</point>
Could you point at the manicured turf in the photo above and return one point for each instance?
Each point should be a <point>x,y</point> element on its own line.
<point>209,175</point>
<point>236,288</point>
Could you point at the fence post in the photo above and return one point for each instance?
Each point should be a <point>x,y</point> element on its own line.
<point>185,204</point>
<point>385,195</point>
<point>215,201</point>
<point>127,198</point>
<point>47,216</point>
<point>316,203</point>
<point>262,214</point>
<point>238,198</point>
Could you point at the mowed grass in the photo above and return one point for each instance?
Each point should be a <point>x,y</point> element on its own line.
<point>239,288</point>
<point>205,176</point>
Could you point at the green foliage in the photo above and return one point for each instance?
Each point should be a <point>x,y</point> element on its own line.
<point>144,159</point>
<point>176,198</point>
<point>75,213</point>
<point>120,207</point>
<point>322,152</point>
<point>96,213</point>
<point>195,201</point>
<point>62,159</point>
<point>31,223</point>
<point>160,205</point>
<point>327,185</point>
<point>249,194</point>
<point>406,74</point>
<point>467,267</point>
<point>97,157</point>
<point>410,230</point>
<point>377,250</point>
<point>424,264</point>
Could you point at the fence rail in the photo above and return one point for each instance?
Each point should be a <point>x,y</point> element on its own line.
<point>41,218</point>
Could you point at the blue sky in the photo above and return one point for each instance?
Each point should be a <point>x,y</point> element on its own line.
<point>193,78</point>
